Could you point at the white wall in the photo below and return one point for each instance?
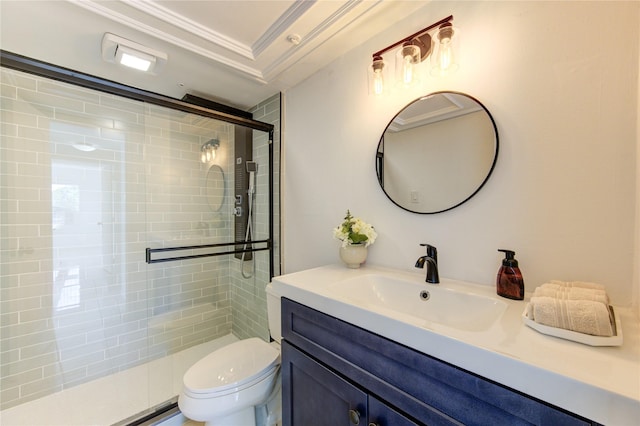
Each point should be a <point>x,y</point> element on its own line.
<point>563,195</point>
<point>636,276</point>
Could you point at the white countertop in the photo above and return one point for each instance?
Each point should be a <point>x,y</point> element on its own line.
<point>599,383</point>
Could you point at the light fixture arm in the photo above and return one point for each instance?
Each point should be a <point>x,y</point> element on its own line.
<point>379,53</point>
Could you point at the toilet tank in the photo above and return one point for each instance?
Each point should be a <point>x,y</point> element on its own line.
<point>273,313</point>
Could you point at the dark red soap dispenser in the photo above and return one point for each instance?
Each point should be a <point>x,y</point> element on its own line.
<point>509,282</point>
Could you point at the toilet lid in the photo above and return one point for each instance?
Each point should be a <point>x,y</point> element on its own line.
<point>231,366</point>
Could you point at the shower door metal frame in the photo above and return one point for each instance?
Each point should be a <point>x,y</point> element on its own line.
<point>44,69</point>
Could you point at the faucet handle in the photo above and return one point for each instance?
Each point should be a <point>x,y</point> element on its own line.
<point>432,252</point>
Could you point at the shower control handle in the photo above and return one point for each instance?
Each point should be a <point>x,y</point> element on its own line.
<point>237,211</point>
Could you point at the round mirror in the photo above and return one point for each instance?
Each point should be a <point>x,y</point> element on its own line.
<point>215,187</point>
<point>437,152</point>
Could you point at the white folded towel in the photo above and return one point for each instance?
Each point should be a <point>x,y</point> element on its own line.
<point>578,284</point>
<point>582,316</point>
<point>572,293</point>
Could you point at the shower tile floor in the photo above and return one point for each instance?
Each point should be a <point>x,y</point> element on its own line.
<point>111,399</point>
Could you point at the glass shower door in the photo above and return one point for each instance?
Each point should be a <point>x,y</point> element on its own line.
<point>89,181</point>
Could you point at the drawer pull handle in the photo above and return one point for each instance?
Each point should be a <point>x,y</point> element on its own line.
<point>354,417</point>
<point>373,424</point>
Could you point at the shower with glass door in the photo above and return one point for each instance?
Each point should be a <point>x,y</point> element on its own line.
<point>121,239</point>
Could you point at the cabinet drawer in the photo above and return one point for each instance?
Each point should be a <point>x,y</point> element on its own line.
<point>423,387</point>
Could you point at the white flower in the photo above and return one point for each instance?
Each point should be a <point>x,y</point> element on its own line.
<point>355,231</point>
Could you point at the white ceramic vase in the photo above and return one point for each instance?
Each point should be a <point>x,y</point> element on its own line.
<point>353,255</point>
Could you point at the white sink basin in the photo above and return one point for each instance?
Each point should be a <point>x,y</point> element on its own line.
<point>456,308</point>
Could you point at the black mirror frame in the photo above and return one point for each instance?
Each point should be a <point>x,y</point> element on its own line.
<point>380,155</point>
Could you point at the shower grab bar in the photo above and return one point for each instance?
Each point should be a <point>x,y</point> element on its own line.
<point>150,251</point>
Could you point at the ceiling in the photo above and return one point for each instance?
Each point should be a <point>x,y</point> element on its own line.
<point>432,109</point>
<point>235,52</point>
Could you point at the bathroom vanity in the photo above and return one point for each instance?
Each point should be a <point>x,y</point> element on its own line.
<point>355,351</point>
<point>332,370</point>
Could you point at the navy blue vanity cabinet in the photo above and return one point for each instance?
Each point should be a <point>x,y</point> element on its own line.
<point>317,396</point>
<point>334,373</point>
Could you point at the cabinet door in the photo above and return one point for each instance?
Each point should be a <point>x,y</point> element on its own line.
<point>314,395</point>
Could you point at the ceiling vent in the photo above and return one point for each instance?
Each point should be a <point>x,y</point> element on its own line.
<point>128,53</point>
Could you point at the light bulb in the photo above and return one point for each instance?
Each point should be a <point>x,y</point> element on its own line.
<point>446,55</point>
<point>445,59</point>
<point>203,157</point>
<point>208,151</point>
<point>377,82</point>
<point>213,152</point>
<point>407,61</point>
<point>407,70</point>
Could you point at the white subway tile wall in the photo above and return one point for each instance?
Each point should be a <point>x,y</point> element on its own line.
<point>88,181</point>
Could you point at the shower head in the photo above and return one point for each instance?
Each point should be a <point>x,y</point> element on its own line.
<point>252,167</point>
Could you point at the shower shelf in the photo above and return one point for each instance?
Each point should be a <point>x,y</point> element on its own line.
<point>251,244</point>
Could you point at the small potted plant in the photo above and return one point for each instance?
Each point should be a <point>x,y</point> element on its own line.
<point>356,235</point>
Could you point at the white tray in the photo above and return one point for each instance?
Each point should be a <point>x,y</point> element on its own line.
<point>587,339</point>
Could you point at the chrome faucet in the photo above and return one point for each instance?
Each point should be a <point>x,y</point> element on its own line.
<point>431,259</point>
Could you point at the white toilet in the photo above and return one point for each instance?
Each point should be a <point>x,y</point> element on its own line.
<point>224,388</point>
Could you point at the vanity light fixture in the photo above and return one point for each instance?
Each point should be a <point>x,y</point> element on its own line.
<point>208,150</point>
<point>131,54</point>
<point>414,50</point>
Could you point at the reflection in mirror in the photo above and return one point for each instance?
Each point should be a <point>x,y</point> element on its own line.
<point>437,152</point>
<point>215,187</point>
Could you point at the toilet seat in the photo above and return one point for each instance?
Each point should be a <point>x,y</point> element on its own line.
<point>268,375</point>
<point>231,368</point>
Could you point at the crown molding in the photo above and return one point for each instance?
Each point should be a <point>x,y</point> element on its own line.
<point>283,23</point>
<point>261,71</point>
<point>108,13</point>
<point>287,59</point>
<point>185,24</point>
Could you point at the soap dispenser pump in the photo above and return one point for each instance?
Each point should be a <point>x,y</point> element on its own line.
<point>509,282</point>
